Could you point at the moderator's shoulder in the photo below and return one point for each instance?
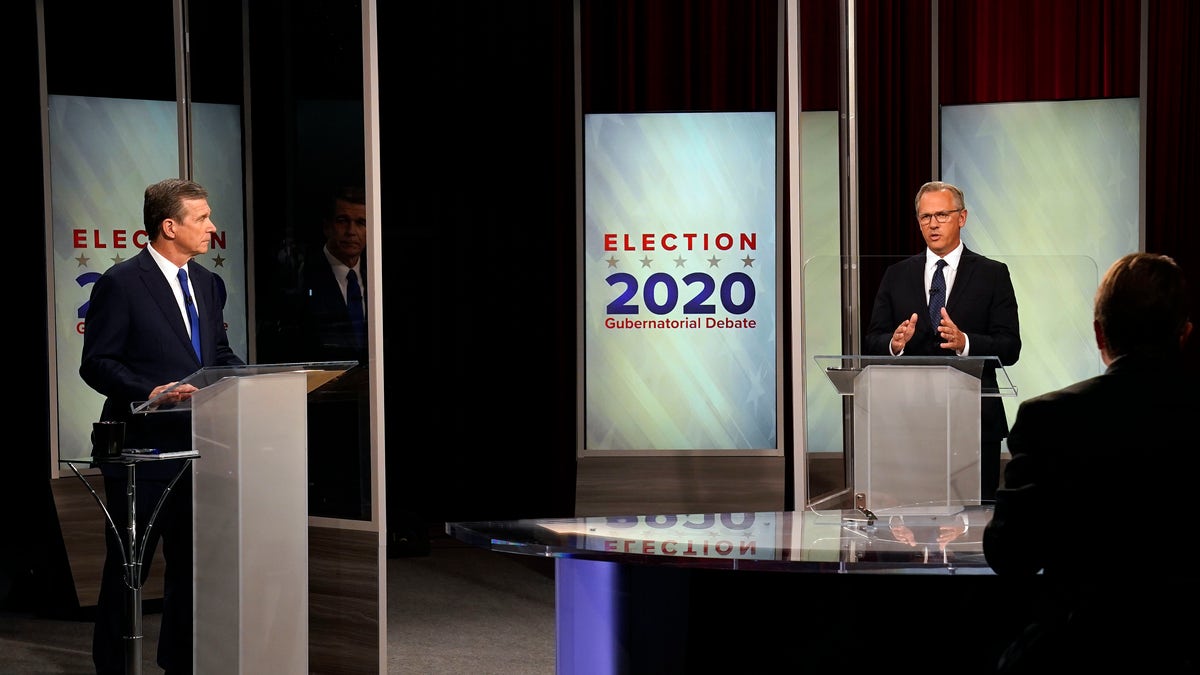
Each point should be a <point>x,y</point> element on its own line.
<point>1072,394</point>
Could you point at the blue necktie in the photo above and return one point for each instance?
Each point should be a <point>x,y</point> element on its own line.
<point>937,297</point>
<point>354,303</point>
<point>193,317</point>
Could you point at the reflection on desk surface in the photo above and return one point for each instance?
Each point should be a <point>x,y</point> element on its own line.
<point>937,541</point>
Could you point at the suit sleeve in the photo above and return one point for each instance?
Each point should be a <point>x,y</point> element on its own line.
<point>1002,336</point>
<point>1015,541</point>
<point>883,315</point>
<point>107,326</point>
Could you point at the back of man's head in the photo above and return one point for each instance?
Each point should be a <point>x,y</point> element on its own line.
<point>1142,305</point>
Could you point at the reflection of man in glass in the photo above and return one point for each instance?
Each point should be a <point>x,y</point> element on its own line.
<point>333,328</point>
<point>930,531</point>
<point>334,293</point>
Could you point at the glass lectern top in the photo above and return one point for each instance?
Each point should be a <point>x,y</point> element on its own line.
<point>842,369</point>
<point>319,374</point>
<point>938,541</point>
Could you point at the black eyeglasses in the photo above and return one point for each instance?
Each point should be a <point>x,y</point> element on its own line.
<point>940,216</point>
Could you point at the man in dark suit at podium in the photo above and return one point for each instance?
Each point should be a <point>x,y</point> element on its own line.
<point>152,320</point>
<point>978,316</point>
<point>1098,493</point>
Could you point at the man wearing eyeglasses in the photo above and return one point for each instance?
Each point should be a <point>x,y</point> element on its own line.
<point>972,299</point>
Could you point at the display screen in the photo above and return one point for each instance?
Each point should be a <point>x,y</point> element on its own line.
<point>680,283</point>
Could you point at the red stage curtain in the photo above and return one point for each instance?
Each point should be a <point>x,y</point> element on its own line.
<point>667,55</point>
<point>1173,144</point>
<point>995,51</point>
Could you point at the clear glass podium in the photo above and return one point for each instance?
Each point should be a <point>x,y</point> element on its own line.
<point>916,428</point>
<point>317,374</point>
<point>250,505</point>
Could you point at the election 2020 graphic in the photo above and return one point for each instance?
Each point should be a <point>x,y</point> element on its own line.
<point>680,282</point>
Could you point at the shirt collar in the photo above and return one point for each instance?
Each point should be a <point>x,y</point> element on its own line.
<point>951,258</point>
<point>168,268</point>
<point>339,268</point>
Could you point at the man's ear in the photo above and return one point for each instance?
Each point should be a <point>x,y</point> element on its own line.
<point>1101,341</point>
<point>1187,332</point>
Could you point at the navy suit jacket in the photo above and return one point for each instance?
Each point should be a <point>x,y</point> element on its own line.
<point>1120,446</point>
<point>325,320</point>
<point>982,304</point>
<point>135,339</point>
<point>1099,482</point>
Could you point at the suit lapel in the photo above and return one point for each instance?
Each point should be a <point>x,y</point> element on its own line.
<point>163,295</point>
<point>962,279</point>
<point>917,275</point>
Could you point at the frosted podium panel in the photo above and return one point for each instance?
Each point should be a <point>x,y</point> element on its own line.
<point>915,427</point>
<point>917,438</point>
<point>251,524</point>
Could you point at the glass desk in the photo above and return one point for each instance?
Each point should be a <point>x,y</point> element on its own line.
<point>944,540</point>
<point>799,591</point>
<point>134,541</point>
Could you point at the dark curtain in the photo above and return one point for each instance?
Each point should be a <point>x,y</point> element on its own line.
<point>995,51</point>
<point>894,135</point>
<point>1173,144</point>
<point>674,55</point>
<point>820,54</point>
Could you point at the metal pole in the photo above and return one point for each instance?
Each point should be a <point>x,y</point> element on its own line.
<point>133,579</point>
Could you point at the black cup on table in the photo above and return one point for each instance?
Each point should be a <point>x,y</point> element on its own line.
<point>108,439</point>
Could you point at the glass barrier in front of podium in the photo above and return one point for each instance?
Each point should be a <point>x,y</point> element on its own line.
<point>338,402</point>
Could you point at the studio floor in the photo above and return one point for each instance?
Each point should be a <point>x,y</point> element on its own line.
<point>460,609</point>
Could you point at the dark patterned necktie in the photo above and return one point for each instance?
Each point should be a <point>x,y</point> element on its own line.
<point>354,303</point>
<point>193,317</point>
<point>937,296</point>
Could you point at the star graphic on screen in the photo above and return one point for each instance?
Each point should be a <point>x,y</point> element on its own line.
<point>82,260</point>
<point>680,261</point>
<point>117,258</point>
<point>714,261</point>
<point>646,260</point>
<point>748,261</point>
<point>218,261</point>
<point>612,261</point>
